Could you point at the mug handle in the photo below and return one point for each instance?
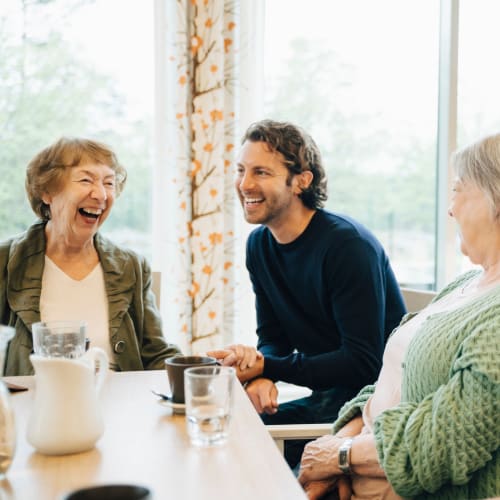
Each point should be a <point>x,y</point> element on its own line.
<point>100,362</point>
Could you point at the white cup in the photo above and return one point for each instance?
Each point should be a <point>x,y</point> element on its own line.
<point>209,403</point>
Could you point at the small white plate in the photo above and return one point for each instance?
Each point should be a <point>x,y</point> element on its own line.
<point>177,408</point>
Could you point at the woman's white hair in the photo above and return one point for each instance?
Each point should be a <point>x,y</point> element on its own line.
<point>480,163</point>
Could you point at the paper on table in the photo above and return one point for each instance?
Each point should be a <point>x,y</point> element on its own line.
<point>14,387</point>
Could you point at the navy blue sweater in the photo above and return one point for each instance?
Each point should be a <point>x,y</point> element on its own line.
<point>325,302</point>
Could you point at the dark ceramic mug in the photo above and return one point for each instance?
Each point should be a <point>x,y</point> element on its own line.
<point>111,492</point>
<point>175,369</point>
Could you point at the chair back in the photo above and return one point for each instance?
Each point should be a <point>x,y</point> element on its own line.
<point>416,300</point>
<point>156,286</point>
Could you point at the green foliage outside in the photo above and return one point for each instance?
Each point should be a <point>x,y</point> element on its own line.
<point>47,91</point>
<point>381,177</point>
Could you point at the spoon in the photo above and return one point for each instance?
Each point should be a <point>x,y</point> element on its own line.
<point>162,396</point>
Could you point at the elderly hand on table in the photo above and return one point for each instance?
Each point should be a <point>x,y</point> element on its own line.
<point>319,470</point>
<point>315,490</point>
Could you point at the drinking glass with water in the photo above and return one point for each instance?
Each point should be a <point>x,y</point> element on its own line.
<point>209,402</point>
<point>59,339</point>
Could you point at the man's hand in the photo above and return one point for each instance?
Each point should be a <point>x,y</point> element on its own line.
<point>264,395</point>
<point>250,373</point>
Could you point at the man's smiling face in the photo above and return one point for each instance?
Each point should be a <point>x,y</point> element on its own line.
<point>264,185</point>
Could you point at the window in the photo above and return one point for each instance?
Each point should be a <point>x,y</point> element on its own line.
<point>361,77</point>
<point>72,67</point>
<point>478,71</point>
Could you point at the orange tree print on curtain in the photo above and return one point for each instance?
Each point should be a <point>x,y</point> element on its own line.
<point>205,117</point>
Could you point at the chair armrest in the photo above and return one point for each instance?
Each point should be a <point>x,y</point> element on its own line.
<point>282,433</point>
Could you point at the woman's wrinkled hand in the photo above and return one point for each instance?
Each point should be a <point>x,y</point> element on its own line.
<point>320,459</point>
<point>344,488</point>
<point>316,490</point>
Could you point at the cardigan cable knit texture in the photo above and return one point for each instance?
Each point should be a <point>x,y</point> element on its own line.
<point>442,440</point>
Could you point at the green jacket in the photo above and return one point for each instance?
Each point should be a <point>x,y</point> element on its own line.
<point>442,440</point>
<point>135,331</point>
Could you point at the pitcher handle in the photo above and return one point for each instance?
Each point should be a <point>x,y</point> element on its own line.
<point>101,364</point>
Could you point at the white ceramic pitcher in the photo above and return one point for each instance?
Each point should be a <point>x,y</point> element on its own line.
<point>66,417</point>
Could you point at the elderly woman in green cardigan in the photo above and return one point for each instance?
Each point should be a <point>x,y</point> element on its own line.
<point>62,268</point>
<point>430,426</point>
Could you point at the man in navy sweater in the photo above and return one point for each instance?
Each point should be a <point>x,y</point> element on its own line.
<point>326,296</point>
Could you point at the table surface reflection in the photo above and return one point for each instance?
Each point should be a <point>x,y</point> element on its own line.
<point>145,444</point>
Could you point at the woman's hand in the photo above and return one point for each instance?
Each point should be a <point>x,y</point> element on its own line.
<point>320,459</point>
<point>238,355</point>
<point>315,490</point>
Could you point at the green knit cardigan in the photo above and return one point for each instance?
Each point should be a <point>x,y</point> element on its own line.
<point>442,441</point>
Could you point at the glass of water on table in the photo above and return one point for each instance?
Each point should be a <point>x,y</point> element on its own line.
<point>209,403</point>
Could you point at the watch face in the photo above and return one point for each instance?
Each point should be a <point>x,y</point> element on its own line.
<point>344,456</point>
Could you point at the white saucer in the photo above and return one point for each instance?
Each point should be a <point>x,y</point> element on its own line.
<point>177,408</point>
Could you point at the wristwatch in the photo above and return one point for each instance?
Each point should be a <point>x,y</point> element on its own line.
<point>345,456</point>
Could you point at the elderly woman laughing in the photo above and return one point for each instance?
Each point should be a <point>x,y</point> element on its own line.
<point>62,268</point>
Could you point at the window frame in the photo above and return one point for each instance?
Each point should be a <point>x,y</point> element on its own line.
<point>445,250</point>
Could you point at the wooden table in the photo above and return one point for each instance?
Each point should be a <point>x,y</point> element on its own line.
<point>145,444</point>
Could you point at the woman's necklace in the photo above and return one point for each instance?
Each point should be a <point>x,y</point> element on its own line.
<point>470,286</point>
<point>474,285</point>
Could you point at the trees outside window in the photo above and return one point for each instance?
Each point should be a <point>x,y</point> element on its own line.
<point>365,87</point>
<point>361,76</point>
<point>60,75</point>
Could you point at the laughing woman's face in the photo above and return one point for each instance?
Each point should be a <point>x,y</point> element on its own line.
<point>84,202</point>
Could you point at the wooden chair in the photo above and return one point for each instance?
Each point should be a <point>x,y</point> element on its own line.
<point>156,286</point>
<point>415,300</point>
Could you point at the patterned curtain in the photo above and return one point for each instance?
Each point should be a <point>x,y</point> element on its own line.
<point>202,60</point>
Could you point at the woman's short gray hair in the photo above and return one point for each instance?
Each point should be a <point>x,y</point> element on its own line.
<point>480,163</point>
<point>46,171</point>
